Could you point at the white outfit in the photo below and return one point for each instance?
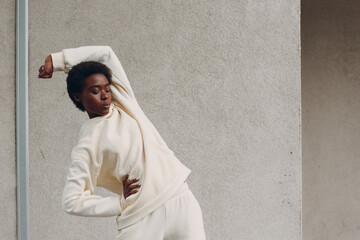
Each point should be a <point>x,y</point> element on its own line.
<point>122,142</point>
<point>179,218</point>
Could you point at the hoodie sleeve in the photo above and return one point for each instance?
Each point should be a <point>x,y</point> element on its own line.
<point>78,198</point>
<point>66,59</point>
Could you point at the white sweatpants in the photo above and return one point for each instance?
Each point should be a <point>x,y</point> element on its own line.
<point>179,218</point>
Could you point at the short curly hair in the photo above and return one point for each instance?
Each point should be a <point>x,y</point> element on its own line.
<point>77,75</point>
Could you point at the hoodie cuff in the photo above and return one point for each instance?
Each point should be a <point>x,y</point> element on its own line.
<point>58,61</point>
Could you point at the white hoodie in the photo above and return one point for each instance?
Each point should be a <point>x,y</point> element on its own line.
<point>122,142</point>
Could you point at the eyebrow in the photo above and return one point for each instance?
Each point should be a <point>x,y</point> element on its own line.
<point>98,85</point>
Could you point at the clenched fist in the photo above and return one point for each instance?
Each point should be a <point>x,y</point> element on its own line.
<point>46,70</point>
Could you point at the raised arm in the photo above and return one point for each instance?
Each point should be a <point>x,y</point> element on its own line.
<point>66,59</point>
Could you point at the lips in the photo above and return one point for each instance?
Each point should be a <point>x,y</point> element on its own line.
<point>106,105</point>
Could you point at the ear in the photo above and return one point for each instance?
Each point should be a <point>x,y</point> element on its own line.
<point>77,97</point>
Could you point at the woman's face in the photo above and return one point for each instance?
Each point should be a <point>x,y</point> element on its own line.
<point>95,96</point>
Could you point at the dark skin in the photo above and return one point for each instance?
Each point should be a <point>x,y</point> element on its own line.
<point>96,99</point>
<point>95,95</point>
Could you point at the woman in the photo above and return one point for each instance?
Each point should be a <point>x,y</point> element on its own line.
<point>119,149</point>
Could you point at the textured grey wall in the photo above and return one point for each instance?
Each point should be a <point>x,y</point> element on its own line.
<point>221,82</point>
<point>7,120</point>
<point>331,128</point>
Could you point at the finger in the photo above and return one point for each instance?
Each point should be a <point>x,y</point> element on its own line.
<point>45,75</point>
<point>131,181</point>
<point>43,71</point>
<point>132,192</point>
<point>42,74</point>
<point>135,186</point>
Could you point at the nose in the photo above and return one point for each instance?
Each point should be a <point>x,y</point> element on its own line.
<point>105,95</point>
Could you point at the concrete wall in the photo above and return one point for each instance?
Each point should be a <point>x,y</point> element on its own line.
<point>331,127</point>
<point>221,82</point>
<point>7,121</point>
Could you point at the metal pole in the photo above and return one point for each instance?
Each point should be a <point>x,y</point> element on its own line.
<point>22,135</point>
